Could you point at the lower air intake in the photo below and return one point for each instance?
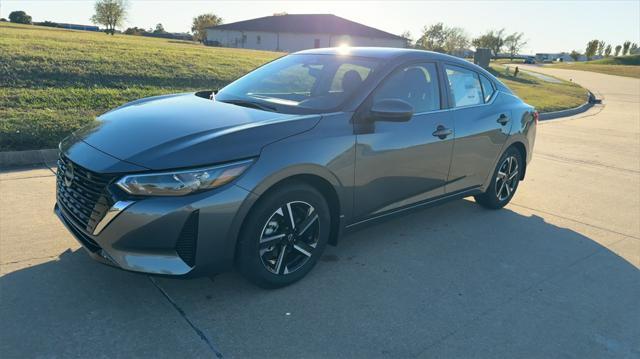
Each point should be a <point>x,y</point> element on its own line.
<point>186,245</point>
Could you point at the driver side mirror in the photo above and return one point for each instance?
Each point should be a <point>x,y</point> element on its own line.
<point>392,110</point>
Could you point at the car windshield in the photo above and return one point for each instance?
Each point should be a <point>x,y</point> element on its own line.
<point>300,83</point>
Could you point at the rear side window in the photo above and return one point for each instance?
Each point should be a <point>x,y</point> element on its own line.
<point>487,88</point>
<point>465,86</point>
<point>416,84</point>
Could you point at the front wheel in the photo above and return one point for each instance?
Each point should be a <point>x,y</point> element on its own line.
<point>284,235</point>
<point>505,181</point>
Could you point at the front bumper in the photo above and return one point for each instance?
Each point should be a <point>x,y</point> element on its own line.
<point>177,236</point>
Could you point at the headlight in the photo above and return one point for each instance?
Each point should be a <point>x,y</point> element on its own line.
<point>179,183</point>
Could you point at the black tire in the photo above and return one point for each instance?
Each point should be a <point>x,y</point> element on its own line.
<point>262,262</point>
<point>499,193</point>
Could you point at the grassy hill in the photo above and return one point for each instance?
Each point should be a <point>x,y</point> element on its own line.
<point>545,96</point>
<point>52,81</point>
<point>628,66</point>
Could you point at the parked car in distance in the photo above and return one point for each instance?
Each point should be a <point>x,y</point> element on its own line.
<point>529,60</point>
<point>276,165</point>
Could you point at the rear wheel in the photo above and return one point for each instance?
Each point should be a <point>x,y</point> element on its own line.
<point>505,180</point>
<point>284,235</point>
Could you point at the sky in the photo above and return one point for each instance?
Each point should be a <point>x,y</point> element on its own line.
<point>549,26</point>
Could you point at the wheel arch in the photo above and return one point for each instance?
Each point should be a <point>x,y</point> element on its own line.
<point>518,145</point>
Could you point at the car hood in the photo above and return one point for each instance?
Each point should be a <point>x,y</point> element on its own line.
<point>185,130</point>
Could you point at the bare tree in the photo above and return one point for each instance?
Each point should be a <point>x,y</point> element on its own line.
<point>201,23</point>
<point>607,51</point>
<point>514,44</point>
<point>110,13</point>
<point>618,48</point>
<point>625,48</point>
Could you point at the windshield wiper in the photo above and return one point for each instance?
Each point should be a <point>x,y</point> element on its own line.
<point>252,104</point>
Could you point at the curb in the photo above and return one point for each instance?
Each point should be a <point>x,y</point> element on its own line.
<point>591,100</point>
<point>24,158</point>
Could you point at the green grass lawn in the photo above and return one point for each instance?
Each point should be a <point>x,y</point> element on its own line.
<point>545,96</point>
<point>52,81</point>
<point>628,66</point>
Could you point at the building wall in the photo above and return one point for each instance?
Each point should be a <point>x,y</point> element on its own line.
<point>290,42</point>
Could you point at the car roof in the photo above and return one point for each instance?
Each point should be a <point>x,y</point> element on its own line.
<point>380,53</point>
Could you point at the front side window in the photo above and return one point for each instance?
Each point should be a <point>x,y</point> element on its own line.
<point>301,83</point>
<point>464,86</point>
<point>416,84</point>
<point>487,88</point>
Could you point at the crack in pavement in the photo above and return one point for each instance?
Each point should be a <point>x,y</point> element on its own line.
<point>182,313</point>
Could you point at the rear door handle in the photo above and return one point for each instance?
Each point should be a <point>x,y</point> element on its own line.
<point>442,132</point>
<point>503,119</point>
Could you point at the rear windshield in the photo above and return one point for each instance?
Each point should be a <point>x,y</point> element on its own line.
<point>301,83</point>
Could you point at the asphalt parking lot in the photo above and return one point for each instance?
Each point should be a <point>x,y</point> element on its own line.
<point>554,274</point>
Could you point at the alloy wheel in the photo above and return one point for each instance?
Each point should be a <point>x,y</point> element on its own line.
<point>289,237</point>
<point>507,178</point>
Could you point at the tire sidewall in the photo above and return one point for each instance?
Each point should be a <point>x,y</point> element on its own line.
<point>248,255</point>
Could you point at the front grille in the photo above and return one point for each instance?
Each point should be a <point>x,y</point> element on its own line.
<point>186,244</point>
<point>82,194</point>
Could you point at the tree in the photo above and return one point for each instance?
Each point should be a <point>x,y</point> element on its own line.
<point>607,51</point>
<point>135,31</point>
<point>408,38</point>
<point>110,13</point>
<point>493,39</point>
<point>20,17</point>
<point>600,48</point>
<point>592,47</point>
<point>201,22</point>
<point>441,38</point>
<point>159,29</point>
<point>625,48</point>
<point>456,39</point>
<point>618,48</point>
<point>633,49</point>
<point>575,55</point>
<point>514,43</point>
<point>433,37</point>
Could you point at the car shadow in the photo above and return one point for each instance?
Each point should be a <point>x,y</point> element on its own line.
<point>454,280</point>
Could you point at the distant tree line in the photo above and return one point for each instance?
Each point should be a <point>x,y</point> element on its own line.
<point>454,40</point>
<point>601,49</point>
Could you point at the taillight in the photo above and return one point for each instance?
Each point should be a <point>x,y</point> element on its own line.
<point>536,116</point>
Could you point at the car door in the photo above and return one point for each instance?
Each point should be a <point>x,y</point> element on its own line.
<point>401,163</point>
<point>482,127</point>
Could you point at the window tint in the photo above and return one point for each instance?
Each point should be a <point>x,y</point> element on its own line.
<point>415,84</point>
<point>487,88</point>
<point>465,86</point>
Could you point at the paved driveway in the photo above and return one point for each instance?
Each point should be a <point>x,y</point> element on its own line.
<point>556,273</point>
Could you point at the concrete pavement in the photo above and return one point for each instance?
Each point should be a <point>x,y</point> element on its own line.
<point>556,273</point>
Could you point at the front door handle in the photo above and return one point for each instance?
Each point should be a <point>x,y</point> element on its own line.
<point>503,119</point>
<point>442,132</point>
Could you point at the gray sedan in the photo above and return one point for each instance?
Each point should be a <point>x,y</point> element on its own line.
<point>264,173</point>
